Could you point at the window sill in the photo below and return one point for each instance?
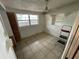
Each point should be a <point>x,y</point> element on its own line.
<point>29,26</point>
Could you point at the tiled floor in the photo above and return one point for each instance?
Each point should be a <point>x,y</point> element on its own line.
<point>40,46</point>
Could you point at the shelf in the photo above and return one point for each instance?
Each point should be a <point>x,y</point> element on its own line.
<point>64,37</point>
<point>62,42</point>
<point>65,30</point>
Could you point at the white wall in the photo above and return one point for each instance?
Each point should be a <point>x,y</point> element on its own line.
<point>69,19</point>
<point>30,30</point>
<point>55,29</point>
<point>51,29</point>
<point>6,22</point>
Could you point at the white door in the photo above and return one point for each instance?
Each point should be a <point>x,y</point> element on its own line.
<point>6,47</point>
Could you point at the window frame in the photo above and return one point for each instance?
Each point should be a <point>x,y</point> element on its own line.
<point>29,20</point>
<point>59,19</point>
<point>37,20</point>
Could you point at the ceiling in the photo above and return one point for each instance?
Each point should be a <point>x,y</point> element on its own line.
<point>35,5</point>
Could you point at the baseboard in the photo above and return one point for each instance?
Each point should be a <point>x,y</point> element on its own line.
<point>52,35</point>
<point>32,35</point>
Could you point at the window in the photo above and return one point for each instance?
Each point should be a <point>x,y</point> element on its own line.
<point>26,20</point>
<point>34,19</point>
<point>59,19</point>
<point>23,19</point>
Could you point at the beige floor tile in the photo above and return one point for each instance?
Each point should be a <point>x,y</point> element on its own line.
<point>33,57</point>
<point>45,43</point>
<point>19,55</point>
<point>45,50</point>
<point>50,47</point>
<point>39,55</point>
<point>51,56</point>
<point>39,46</point>
<point>36,47</point>
<point>58,50</point>
<point>27,54</point>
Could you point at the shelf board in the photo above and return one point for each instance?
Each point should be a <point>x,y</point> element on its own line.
<point>62,42</point>
<point>65,30</point>
<point>64,37</point>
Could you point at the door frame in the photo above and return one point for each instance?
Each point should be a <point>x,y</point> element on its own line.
<point>72,35</point>
<point>14,25</point>
<point>72,43</point>
<point>75,53</point>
